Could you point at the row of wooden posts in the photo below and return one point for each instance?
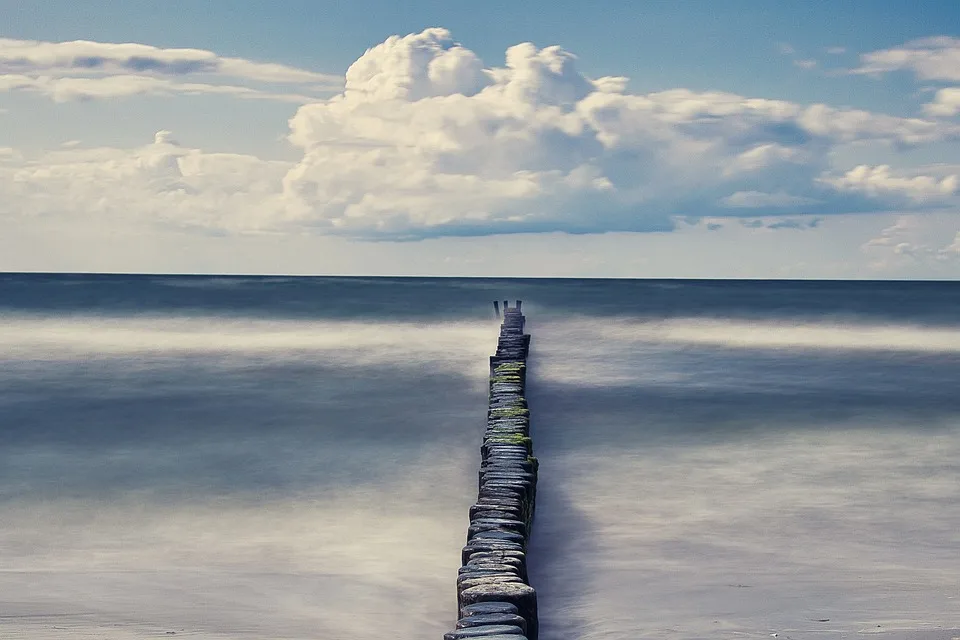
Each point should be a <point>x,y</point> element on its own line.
<point>494,596</point>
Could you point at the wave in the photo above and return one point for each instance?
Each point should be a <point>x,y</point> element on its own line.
<point>765,334</point>
<point>457,344</point>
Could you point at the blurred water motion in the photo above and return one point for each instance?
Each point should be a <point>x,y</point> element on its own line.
<point>294,458</point>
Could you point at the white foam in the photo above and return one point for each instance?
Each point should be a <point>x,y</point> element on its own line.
<point>833,336</point>
<point>590,351</point>
<point>452,344</point>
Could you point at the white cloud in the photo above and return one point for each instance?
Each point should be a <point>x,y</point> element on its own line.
<point>119,86</point>
<point>836,51</point>
<point>89,70</point>
<point>882,182</point>
<point>933,240</point>
<point>805,64</point>
<point>415,66</point>
<point>535,145</point>
<point>855,125</point>
<point>33,56</point>
<point>946,103</point>
<point>936,58</point>
<point>161,182</point>
<point>890,236</point>
<point>425,140</point>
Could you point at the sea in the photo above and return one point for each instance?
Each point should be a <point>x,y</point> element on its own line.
<point>293,458</point>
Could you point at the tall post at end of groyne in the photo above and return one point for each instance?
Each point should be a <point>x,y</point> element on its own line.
<point>494,597</point>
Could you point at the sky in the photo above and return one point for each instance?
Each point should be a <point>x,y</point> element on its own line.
<point>737,139</point>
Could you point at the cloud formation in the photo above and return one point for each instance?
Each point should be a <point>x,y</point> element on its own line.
<point>120,86</point>
<point>912,239</point>
<point>425,140</point>
<point>935,58</point>
<point>931,59</point>
<point>19,56</point>
<point>161,182</point>
<point>946,103</point>
<point>535,145</point>
<point>90,70</point>
<point>881,181</point>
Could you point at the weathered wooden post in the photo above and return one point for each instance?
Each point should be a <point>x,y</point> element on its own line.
<point>496,308</point>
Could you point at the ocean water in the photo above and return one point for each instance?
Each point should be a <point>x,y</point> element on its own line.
<point>294,458</point>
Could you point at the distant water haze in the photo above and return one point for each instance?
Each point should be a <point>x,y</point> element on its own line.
<point>234,458</point>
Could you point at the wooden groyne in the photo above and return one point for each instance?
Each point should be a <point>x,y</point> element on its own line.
<point>495,599</point>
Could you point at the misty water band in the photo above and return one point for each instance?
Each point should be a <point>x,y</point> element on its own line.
<point>495,600</point>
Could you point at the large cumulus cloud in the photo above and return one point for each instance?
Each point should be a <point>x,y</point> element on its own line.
<point>426,140</point>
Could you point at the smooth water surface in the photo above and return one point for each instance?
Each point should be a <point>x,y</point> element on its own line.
<point>237,458</point>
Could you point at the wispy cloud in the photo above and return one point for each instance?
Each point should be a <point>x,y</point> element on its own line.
<point>935,58</point>
<point>927,239</point>
<point>89,70</point>
<point>930,59</point>
<point>119,86</point>
<point>83,55</point>
<point>788,51</point>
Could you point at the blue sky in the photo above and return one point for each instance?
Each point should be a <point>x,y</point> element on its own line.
<point>751,139</point>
